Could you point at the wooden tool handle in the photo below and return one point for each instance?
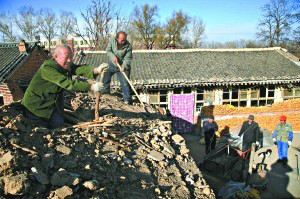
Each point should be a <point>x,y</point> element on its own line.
<point>97,106</point>
<point>132,87</point>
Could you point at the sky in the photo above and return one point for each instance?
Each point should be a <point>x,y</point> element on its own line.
<point>226,20</point>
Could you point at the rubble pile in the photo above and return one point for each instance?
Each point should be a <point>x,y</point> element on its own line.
<point>126,154</point>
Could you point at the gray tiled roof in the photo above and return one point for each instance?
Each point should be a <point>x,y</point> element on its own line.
<point>10,57</point>
<point>205,67</point>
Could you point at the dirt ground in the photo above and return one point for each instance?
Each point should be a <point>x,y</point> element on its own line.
<point>282,182</point>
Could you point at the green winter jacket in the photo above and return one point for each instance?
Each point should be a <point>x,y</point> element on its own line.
<point>45,91</point>
<point>283,133</point>
<point>124,55</point>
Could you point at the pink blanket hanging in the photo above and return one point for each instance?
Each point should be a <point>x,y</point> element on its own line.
<point>182,111</point>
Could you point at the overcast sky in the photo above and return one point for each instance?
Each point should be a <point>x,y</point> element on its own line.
<point>225,20</point>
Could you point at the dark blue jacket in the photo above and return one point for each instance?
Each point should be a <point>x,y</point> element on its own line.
<point>210,129</point>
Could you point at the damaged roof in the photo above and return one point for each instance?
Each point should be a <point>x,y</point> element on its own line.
<point>11,57</point>
<point>205,67</point>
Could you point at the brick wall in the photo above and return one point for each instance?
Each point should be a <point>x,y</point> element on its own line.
<point>6,93</point>
<point>267,117</point>
<point>11,90</point>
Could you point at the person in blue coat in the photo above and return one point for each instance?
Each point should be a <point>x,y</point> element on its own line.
<point>283,137</point>
<point>210,128</point>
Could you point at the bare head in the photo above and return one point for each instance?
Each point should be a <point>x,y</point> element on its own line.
<point>63,56</point>
<point>121,37</point>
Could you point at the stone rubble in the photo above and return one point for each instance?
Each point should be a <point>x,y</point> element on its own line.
<point>135,156</point>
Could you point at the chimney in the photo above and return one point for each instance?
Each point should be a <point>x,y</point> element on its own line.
<point>22,46</point>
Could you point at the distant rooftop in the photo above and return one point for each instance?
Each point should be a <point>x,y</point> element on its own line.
<point>10,57</point>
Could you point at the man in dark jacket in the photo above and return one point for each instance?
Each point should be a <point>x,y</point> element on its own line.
<point>43,99</point>
<point>250,132</point>
<point>210,128</point>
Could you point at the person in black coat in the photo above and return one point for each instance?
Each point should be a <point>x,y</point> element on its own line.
<point>210,128</point>
<point>250,132</point>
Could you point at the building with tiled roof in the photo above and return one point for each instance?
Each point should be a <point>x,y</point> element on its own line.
<point>240,77</point>
<point>18,64</point>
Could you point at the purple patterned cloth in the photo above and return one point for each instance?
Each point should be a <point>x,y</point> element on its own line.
<point>182,111</point>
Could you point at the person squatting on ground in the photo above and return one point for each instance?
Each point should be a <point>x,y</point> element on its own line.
<point>250,133</point>
<point>43,100</point>
<point>283,137</point>
<point>210,128</point>
<point>119,51</point>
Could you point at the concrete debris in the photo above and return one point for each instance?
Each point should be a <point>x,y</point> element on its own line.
<point>207,191</point>
<point>61,178</point>
<point>6,158</point>
<point>16,185</point>
<point>40,176</point>
<point>128,153</point>
<point>184,150</point>
<point>177,139</point>
<point>63,149</point>
<point>47,161</point>
<point>91,139</point>
<point>127,161</point>
<point>91,185</point>
<point>156,156</point>
<point>63,192</point>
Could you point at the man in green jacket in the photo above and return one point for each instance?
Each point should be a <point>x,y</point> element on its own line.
<point>43,99</point>
<point>283,137</point>
<point>119,50</point>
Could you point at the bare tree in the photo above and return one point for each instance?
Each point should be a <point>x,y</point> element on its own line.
<point>47,22</point>
<point>144,22</point>
<point>66,24</point>
<point>296,16</point>
<point>266,30</point>
<point>198,28</point>
<point>171,34</point>
<point>100,20</point>
<point>7,26</point>
<point>26,21</point>
<point>276,23</point>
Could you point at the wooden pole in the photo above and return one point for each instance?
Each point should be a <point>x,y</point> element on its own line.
<point>132,87</point>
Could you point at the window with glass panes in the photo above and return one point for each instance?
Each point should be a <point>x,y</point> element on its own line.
<point>235,96</point>
<point>263,95</point>
<point>159,97</point>
<point>199,98</point>
<point>291,93</point>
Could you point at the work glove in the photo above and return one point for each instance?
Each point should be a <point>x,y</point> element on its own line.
<point>257,144</point>
<point>274,140</point>
<point>97,87</point>
<point>289,143</point>
<point>100,68</point>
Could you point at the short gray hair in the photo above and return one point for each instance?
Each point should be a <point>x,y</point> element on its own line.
<point>58,48</point>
